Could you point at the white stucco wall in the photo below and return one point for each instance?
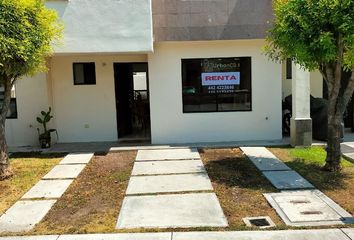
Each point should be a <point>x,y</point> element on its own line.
<point>32,98</point>
<point>105,26</point>
<point>170,125</point>
<point>86,113</point>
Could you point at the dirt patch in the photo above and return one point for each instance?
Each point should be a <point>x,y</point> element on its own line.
<point>92,202</point>
<point>239,186</point>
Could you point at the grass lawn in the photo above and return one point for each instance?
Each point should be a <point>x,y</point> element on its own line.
<point>28,169</point>
<point>308,162</point>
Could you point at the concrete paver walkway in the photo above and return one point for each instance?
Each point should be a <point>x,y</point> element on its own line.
<point>168,167</point>
<point>169,183</point>
<point>172,211</point>
<point>319,234</point>
<point>29,210</point>
<point>278,173</point>
<point>296,208</point>
<point>48,189</point>
<point>23,215</point>
<point>332,234</point>
<point>167,154</point>
<point>308,208</point>
<point>169,175</point>
<point>348,150</point>
<point>264,159</point>
<point>287,180</point>
<point>349,232</point>
<point>65,171</point>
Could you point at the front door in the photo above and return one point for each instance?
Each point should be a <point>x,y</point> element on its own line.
<point>132,101</point>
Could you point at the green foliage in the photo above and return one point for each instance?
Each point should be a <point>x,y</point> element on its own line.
<point>307,32</point>
<point>27,31</point>
<point>314,155</point>
<point>44,120</point>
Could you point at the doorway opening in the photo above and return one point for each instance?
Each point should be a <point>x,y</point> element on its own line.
<point>132,102</point>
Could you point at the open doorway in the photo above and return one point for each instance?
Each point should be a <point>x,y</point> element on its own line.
<point>132,102</point>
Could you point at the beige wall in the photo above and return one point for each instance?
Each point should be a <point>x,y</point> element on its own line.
<point>170,125</point>
<point>32,98</point>
<point>86,113</point>
<point>316,83</point>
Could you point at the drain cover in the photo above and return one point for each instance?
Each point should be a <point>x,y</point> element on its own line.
<point>261,222</point>
<point>307,208</point>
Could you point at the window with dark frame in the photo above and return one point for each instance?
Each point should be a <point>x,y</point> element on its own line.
<point>12,112</point>
<point>289,69</point>
<point>216,84</point>
<point>84,73</point>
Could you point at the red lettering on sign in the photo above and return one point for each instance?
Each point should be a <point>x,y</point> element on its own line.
<point>207,78</point>
<point>233,77</point>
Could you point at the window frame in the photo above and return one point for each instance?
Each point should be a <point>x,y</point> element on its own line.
<point>216,94</point>
<point>75,77</point>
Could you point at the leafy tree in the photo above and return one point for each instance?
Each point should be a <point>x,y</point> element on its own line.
<point>27,31</point>
<point>319,34</point>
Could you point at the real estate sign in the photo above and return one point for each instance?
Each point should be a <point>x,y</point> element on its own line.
<point>220,78</point>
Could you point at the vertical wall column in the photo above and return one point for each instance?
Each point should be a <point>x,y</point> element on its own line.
<point>301,122</point>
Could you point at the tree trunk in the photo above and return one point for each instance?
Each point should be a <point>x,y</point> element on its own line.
<point>333,144</point>
<point>338,101</point>
<point>5,170</point>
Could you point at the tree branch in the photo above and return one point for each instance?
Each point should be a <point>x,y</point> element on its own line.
<point>347,94</point>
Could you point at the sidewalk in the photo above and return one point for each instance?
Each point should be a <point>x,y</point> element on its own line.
<point>323,234</point>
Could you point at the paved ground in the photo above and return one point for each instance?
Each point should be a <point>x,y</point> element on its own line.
<point>37,202</point>
<point>115,146</point>
<point>177,192</point>
<point>308,208</point>
<point>324,234</point>
<point>300,207</point>
<point>279,174</point>
<point>348,150</point>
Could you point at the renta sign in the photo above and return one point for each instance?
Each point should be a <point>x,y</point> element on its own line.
<point>220,78</point>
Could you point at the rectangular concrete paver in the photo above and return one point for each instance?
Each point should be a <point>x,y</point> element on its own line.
<point>169,183</point>
<point>168,167</point>
<point>264,159</point>
<point>65,171</point>
<point>171,211</point>
<point>118,236</point>
<point>349,232</point>
<point>24,215</point>
<point>44,237</point>
<point>326,234</point>
<point>286,180</point>
<point>77,158</point>
<point>167,154</point>
<point>307,208</point>
<point>48,189</point>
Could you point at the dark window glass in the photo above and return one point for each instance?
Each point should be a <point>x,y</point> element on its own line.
<point>216,84</point>
<point>289,69</point>
<point>12,112</point>
<point>84,73</point>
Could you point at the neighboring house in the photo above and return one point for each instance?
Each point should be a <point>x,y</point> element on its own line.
<point>175,71</point>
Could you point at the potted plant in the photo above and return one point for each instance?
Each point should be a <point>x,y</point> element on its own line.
<point>45,137</point>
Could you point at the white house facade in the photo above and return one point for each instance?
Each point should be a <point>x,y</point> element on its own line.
<point>164,72</point>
